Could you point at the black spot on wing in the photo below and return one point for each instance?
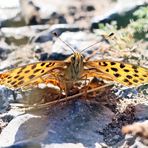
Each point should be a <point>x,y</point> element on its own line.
<point>31,76</point>
<point>126,70</point>
<point>26,71</point>
<point>114,69</point>
<point>37,70</point>
<point>136,75</point>
<point>42,71</point>
<point>117,75</point>
<point>126,80</point>
<point>21,78</point>
<point>129,83</point>
<point>112,63</point>
<point>135,80</point>
<point>12,83</point>
<point>129,77</point>
<point>42,64</point>
<point>16,76</point>
<point>21,82</point>
<point>9,77</point>
<point>33,66</point>
<point>122,65</point>
<point>50,64</point>
<point>141,79</point>
<point>134,66</point>
<point>107,70</point>
<point>103,64</point>
<point>19,71</point>
<point>15,85</point>
<point>136,71</point>
<point>9,81</point>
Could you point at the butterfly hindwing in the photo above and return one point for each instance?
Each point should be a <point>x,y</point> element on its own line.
<point>41,82</point>
<point>126,74</point>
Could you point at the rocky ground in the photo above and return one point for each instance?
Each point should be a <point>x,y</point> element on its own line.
<point>26,36</point>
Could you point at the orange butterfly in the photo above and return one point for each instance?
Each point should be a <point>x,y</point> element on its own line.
<point>71,70</point>
<point>65,73</point>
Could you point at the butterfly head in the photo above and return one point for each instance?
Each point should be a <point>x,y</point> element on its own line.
<point>76,60</point>
<point>75,67</point>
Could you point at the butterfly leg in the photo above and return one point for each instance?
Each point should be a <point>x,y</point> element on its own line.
<point>53,81</point>
<point>86,86</point>
<point>61,90</point>
<point>57,81</point>
<point>94,83</point>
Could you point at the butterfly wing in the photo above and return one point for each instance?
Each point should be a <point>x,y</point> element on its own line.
<point>126,74</point>
<point>50,78</point>
<point>40,82</point>
<point>21,76</point>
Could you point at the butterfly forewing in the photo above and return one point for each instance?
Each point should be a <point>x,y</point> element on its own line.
<point>19,77</point>
<point>126,74</point>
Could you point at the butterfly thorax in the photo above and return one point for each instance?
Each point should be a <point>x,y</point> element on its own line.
<point>75,67</point>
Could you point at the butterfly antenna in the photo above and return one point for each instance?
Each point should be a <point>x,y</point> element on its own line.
<point>55,34</point>
<point>111,34</point>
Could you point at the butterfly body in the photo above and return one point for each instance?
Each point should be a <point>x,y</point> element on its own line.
<point>65,73</point>
<point>74,70</point>
<point>74,67</point>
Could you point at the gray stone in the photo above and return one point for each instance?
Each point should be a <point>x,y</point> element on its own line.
<point>75,124</point>
<point>141,111</point>
<point>43,56</point>
<point>5,50</point>
<point>19,32</point>
<point>58,28</point>
<point>21,35</point>
<point>5,96</point>
<point>4,53</point>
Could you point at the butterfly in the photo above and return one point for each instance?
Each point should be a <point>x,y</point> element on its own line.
<point>75,68</point>
<point>65,73</point>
